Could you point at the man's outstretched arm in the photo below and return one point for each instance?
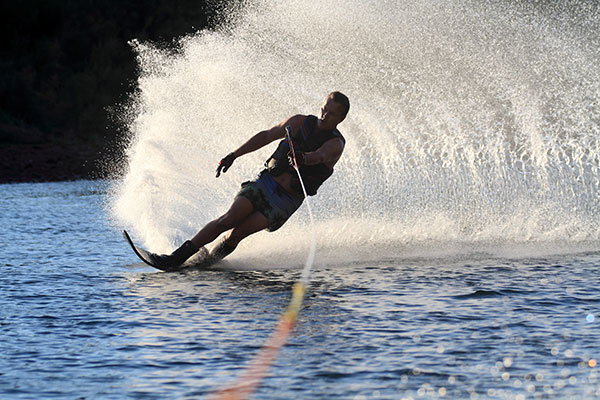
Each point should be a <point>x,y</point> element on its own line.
<point>263,138</point>
<point>259,140</point>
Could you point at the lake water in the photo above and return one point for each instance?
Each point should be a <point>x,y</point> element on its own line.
<point>458,239</point>
<point>81,318</point>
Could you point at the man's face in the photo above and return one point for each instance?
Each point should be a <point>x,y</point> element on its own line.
<point>332,114</point>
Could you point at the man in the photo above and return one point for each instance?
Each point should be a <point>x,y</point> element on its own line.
<point>268,201</point>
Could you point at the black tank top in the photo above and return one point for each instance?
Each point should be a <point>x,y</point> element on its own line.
<point>306,139</point>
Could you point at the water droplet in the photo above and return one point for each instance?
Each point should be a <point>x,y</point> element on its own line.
<point>531,388</point>
<point>517,383</point>
<point>568,353</point>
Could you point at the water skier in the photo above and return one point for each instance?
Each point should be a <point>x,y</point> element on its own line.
<point>268,201</point>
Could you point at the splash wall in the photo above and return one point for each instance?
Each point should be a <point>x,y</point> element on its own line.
<point>471,124</point>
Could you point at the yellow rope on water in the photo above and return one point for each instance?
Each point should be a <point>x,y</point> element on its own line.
<point>250,378</point>
<point>248,381</point>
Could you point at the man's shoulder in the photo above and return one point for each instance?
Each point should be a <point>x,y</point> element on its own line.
<point>298,117</point>
<point>336,135</point>
<point>295,121</point>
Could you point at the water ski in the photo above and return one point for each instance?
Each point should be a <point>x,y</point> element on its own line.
<point>200,259</point>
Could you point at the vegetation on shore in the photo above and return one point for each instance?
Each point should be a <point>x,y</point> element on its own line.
<point>65,63</point>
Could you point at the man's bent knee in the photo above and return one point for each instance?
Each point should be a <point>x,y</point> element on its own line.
<point>252,225</point>
<point>240,209</point>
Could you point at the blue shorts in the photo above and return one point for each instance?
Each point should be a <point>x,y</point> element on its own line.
<point>270,199</point>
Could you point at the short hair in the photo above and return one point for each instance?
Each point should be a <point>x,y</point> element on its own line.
<point>342,99</point>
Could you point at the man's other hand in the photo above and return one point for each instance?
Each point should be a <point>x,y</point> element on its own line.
<point>300,158</point>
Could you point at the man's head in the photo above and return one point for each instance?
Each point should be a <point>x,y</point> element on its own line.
<point>333,111</point>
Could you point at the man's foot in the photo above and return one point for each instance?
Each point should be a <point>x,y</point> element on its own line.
<point>170,262</point>
<point>199,259</point>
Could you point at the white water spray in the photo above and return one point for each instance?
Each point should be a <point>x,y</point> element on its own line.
<point>471,123</point>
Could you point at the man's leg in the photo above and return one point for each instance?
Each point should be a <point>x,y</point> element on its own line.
<point>237,213</point>
<point>240,209</point>
<point>254,223</point>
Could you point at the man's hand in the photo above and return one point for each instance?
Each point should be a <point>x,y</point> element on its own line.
<point>300,158</point>
<point>225,163</point>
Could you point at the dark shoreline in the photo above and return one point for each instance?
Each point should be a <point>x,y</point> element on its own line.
<point>68,72</point>
<point>50,162</point>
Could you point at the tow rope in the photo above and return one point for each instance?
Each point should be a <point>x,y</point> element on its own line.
<point>250,378</point>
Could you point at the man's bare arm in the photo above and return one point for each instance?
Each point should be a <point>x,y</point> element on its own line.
<point>329,153</point>
<point>259,140</point>
<point>263,138</point>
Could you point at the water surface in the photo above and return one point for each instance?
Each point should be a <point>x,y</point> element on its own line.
<point>81,318</point>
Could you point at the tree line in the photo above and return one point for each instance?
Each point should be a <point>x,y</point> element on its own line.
<point>63,62</point>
